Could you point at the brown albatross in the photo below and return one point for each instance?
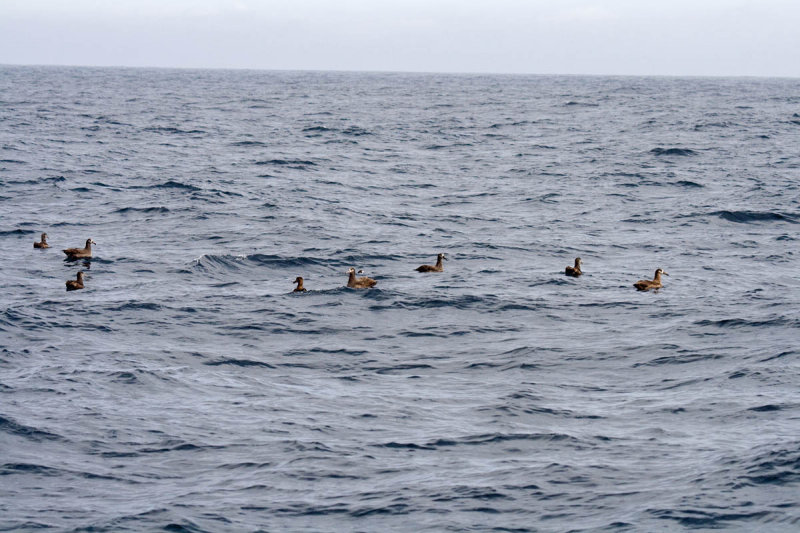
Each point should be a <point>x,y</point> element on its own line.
<point>576,270</point>
<point>359,283</point>
<point>433,268</point>
<point>75,284</point>
<point>647,284</point>
<point>42,244</point>
<point>299,282</point>
<point>80,253</point>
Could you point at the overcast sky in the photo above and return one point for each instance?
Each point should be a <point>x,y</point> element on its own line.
<point>668,37</point>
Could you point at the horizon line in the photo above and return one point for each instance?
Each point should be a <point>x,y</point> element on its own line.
<point>416,72</point>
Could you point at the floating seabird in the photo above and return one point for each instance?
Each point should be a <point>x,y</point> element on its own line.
<point>647,284</point>
<point>80,253</point>
<point>299,282</point>
<point>75,284</point>
<point>431,268</point>
<point>359,283</point>
<point>574,271</point>
<point>42,244</point>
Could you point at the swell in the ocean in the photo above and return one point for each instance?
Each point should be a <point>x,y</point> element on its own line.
<point>186,388</point>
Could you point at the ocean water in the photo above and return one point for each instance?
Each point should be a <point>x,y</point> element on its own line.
<point>187,389</point>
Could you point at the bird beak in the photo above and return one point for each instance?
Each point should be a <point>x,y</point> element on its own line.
<point>664,273</point>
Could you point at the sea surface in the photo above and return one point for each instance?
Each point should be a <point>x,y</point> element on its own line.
<point>187,389</point>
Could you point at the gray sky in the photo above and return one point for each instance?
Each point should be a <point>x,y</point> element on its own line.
<point>670,37</point>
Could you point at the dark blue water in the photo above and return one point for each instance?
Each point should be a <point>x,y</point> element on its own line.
<point>186,388</point>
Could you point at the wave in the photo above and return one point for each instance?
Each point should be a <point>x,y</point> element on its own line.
<point>226,262</point>
<point>679,359</point>
<point>774,467</point>
<point>288,162</point>
<point>249,143</point>
<point>706,519</point>
<point>10,232</point>
<point>134,306</point>
<point>9,426</point>
<point>172,184</point>
<point>327,351</point>
<point>400,368</point>
<point>742,323</point>
<point>123,377</point>
<point>52,179</point>
<point>778,356</point>
<point>770,407</point>
<point>446,146</point>
<point>690,184</point>
<point>41,470</point>
<point>355,131</point>
<point>466,301</point>
<point>125,210</point>
<point>277,261</point>
<point>700,127</point>
<point>239,362</point>
<point>746,217</point>
<point>502,125</point>
<point>172,131</point>
<point>479,440</point>
<point>673,151</point>
<point>181,446</point>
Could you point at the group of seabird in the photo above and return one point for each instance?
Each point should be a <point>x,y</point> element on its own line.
<point>363,282</point>
<point>72,254</point>
<point>575,271</point>
<point>641,285</point>
<point>353,281</point>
